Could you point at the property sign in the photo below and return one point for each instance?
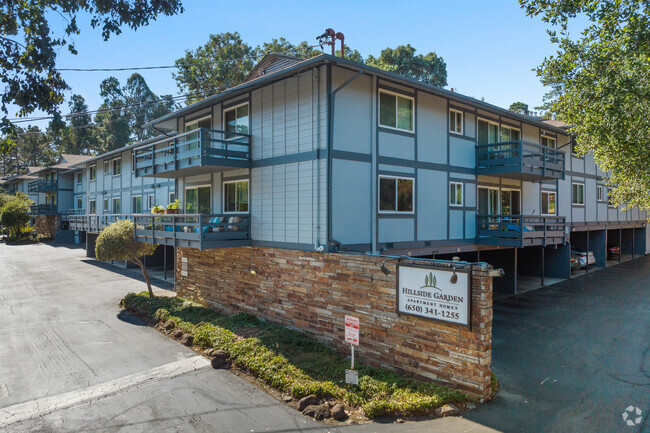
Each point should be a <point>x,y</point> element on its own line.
<point>434,293</point>
<point>352,330</point>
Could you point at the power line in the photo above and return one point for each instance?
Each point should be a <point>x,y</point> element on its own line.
<point>181,65</point>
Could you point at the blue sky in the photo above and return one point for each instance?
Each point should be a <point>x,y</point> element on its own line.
<point>490,47</point>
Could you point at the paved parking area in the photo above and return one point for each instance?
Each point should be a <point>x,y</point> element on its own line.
<point>573,356</point>
<point>72,361</point>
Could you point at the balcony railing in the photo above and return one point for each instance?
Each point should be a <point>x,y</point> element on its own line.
<point>196,152</point>
<point>10,190</point>
<point>202,231</point>
<point>519,160</point>
<point>95,223</point>
<point>42,186</point>
<point>43,209</point>
<point>520,230</point>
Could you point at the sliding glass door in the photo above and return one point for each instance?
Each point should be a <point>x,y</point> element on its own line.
<point>488,201</point>
<point>197,200</point>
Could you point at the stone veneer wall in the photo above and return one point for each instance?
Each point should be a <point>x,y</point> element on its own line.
<point>314,291</point>
<point>47,225</point>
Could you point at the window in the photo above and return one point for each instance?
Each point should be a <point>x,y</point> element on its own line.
<point>574,147</point>
<point>548,142</point>
<point>548,203</point>
<point>455,194</point>
<point>136,204</point>
<point>106,209</point>
<point>395,111</point>
<point>197,199</point>
<point>92,172</point>
<point>117,166</point>
<point>599,193</point>
<point>236,119</point>
<point>456,121</point>
<point>578,195</point>
<point>106,166</point>
<point>80,177</point>
<point>92,209</point>
<point>509,134</point>
<point>395,194</point>
<point>510,202</point>
<point>610,197</point>
<point>205,122</point>
<point>80,203</point>
<point>172,197</point>
<point>133,161</point>
<point>151,201</point>
<point>488,201</point>
<point>488,132</point>
<point>117,205</point>
<point>235,196</point>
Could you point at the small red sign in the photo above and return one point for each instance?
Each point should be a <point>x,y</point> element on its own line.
<point>352,330</point>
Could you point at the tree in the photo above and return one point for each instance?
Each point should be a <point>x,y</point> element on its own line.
<point>403,60</point>
<point>282,46</point>
<point>143,105</point>
<point>14,213</point>
<point>117,242</point>
<point>223,62</point>
<point>600,86</point>
<point>519,107</point>
<point>113,123</point>
<point>29,46</point>
<point>79,138</point>
<point>33,147</point>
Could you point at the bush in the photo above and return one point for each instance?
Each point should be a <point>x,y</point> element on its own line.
<point>293,362</point>
<point>14,213</point>
<point>117,242</point>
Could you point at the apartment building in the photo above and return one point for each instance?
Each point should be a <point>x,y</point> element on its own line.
<point>330,155</point>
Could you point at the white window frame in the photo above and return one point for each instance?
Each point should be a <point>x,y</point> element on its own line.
<point>113,166</point>
<point>462,194</point>
<point>398,95</point>
<point>92,170</point>
<point>223,195</point>
<point>396,211</point>
<point>462,121</point>
<point>151,201</point>
<point>609,203</point>
<point>171,196</point>
<point>106,208</point>
<point>510,189</point>
<point>133,197</point>
<point>548,137</point>
<point>91,206</point>
<point>235,107</point>
<point>133,161</point>
<point>107,166</point>
<point>573,199</point>
<point>489,188</point>
<point>80,178</point>
<point>113,199</point>
<point>80,203</point>
<point>600,197</point>
<point>195,121</point>
<point>548,193</point>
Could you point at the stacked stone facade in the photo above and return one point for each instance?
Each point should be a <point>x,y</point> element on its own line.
<point>314,291</point>
<point>47,225</point>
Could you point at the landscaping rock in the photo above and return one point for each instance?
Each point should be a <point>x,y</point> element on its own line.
<point>178,333</point>
<point>447,410</point>
<point>220,359</point>
<point>188,339</point>
<point>399,421</point>
<point>169,325</point>
<point>338,412</point>
<point>318,412</point>
<point>471,406</point>
<point>287,398</point>
<point>209,352</point>
<point>310,400</point>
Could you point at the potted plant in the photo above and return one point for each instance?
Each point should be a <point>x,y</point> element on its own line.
<point>157,210</point>
<point>172,208</point>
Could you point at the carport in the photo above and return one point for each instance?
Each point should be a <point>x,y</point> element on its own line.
<point>590,240</point>
<point>630,240</point>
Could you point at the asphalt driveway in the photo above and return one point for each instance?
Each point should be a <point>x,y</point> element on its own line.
<point>72,361</point>
<point>574,356</point>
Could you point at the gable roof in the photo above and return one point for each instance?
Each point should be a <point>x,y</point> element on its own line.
<point>270,64</point>
<point>323,59</point>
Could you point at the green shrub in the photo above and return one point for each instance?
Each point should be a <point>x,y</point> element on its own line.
<point>14,213</point>
<point>293,362</point>
<point>117,242</point>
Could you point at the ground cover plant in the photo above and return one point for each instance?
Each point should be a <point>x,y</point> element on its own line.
<point>293,362</point>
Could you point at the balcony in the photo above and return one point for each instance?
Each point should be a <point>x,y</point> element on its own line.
<point>519,160</point>
<point>192,153</point>
<point>201,231</point>
<point>42,186</point>
<point>520,230</point>
<point>43,209</point>
<point>10,190</point>
<point>94,223</point>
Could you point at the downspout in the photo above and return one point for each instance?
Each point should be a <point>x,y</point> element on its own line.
<point>330,142</point>
<point>318,150</point>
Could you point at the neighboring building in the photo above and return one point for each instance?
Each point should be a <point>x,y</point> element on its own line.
<point>18,182</point>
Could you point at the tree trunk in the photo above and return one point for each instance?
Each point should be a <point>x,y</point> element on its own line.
<point>145,274</point>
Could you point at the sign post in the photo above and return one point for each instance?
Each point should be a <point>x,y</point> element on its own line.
<point>352,337</point>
